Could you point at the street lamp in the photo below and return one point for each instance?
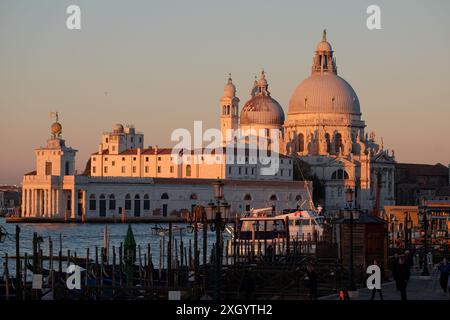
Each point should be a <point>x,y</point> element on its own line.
<point>219,226</point>
<point>349,199</point>
<point>425,271</point>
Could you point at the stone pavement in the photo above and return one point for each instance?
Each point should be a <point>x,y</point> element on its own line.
<point>419,288</point>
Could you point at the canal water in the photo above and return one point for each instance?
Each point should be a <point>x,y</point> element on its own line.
<point>78,237</point>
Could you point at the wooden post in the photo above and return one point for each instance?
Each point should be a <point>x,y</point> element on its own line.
<point>169,257</point>
<point>18,268</point>
<point>6,276</point>
<point>196,260</point>
<point>288,237</point>
<point>87,268</point>
<point>113,275</point>
<point>205,242</point>
<point>25,270</point>
<point>120,265</point>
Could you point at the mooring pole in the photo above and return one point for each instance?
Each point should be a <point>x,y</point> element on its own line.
<point>18,269</point>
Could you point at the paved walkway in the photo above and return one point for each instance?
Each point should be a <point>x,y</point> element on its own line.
<point>419,288</point>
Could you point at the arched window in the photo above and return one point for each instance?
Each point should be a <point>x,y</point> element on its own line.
<point>328,142</point>
<point>102,205</point>
<point>188,170</point>
<point>273,197</point>
<point>92,202</point>
<point>337,142</point>
<point>137,206</point>
<point>247,197</point>
<point>112,202</point>
<point>301,142</point>
<point>146,202</point>
<point>193,196</point>
<point>340,175</point>
<point>127,202</point>
<point>228,110</point>
<point>165,196</point>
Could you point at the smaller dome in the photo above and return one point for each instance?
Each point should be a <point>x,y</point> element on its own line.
<point>262,110</point>
<point>118,128</point>
<point>56,129</point>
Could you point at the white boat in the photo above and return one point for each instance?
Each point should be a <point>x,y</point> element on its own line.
<point>260,230</point>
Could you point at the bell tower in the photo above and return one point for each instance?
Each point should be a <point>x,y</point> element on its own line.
<point>229,112</point>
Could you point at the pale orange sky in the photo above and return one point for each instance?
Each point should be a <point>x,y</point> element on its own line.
<point>163,65</point>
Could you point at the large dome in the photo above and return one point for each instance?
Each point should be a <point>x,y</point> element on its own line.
<point>325,93</point>
<point>262,110</point>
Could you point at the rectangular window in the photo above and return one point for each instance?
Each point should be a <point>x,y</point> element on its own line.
<point>113,148</point>
<point>48,168</point>
<point>146,159</point>
<point>134,158</point>
<point>113,163</point>
<point>281,172</point>
<point>134,169</point>
<point>67,168</point>
<point>159,169</point>
<point>94,169</point>
<point>94,159</point>
<point>171,169</point>
<point>240,171</point>
<point>159,158</point>
<point>229,170</point>
<point>105,169</point>
<point>92,204</point>
<point>106,158</point>
<point>123,158</point>
<point>123,169</point>
<point>246,170</point>
<point>146,169</point>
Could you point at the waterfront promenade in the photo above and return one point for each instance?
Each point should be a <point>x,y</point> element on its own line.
<point>419,288</point>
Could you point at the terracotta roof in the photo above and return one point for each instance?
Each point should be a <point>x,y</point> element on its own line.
<point>424,169</point>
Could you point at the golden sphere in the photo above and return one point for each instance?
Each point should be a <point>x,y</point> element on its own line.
<point>56,128</point>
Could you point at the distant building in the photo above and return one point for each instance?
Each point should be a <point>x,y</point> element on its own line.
<point>414,182</point>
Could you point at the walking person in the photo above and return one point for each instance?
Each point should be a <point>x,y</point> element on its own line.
<point>401,276</point>
<point>312,282</point>
<point>444,269</point>
<point>375,290</point>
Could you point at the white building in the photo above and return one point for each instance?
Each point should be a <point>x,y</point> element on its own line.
<point>54,190</point>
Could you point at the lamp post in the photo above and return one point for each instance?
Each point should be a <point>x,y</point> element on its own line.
<point>425,271</point>
<point>349,199</point>
<point>219,226</point>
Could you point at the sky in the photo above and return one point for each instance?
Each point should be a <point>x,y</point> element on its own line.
<point>161,65</point>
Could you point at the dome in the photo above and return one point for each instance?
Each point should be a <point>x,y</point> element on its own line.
<point>262,110</point>
<point>56,128</point>
<point>326,92</point>
<point>323,46</point>
<point>118,128</point>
